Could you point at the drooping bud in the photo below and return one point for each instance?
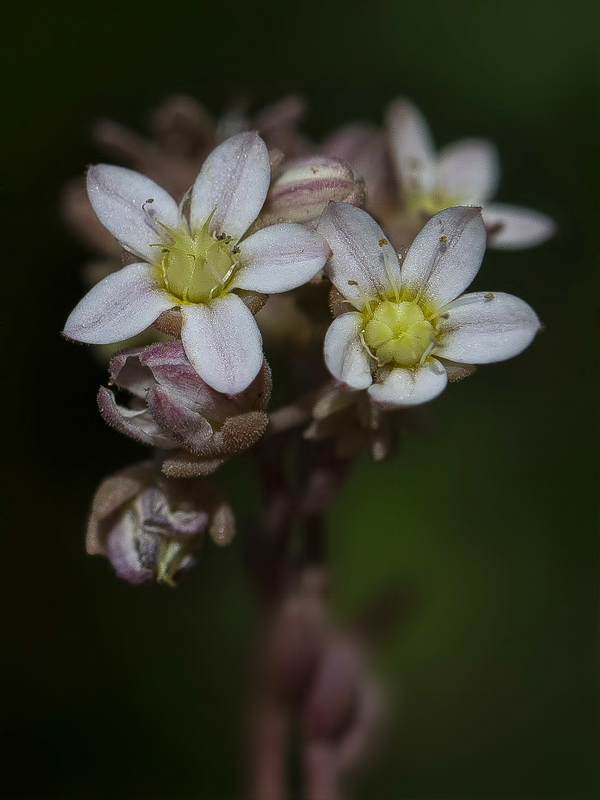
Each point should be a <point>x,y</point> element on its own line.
<point>169,406</point>
<point>304,186</point>
<point>150,528</point>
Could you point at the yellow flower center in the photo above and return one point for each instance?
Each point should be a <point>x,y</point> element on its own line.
<point>398,333</point>
<point>196,266</point>
<point>426,204</point>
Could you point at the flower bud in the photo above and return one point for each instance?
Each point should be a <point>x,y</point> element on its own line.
<point>304,186</point>
<point>171,407</point>
<point>150,527</point>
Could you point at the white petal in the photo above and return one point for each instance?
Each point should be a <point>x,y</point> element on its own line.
<point>518,226</point>
<point>469,170</point>
<point>117,195</point>
<point>280,258</point>
<point>345,356</point>
<point>358,245</point>
<point>122,305</point>
<point>446,255</point>
<point>412,149</point>
<point>223,343</point>
<point>481,327</point>
<point>234,179</point>
<point>410,387</point>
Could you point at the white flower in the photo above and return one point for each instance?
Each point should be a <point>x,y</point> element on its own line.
<point>403,321</point>
<point>464,173</point>
<point>196,263</point>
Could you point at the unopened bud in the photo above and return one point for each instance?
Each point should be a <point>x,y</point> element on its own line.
<point>171,407</point>
<point>304,186</point>
<point>150,527</point>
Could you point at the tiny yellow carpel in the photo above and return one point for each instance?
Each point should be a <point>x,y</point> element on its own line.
<point>195,266</point>
<point>398,333</point>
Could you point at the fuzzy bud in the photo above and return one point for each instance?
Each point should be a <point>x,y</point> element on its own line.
<point>171,407</point>
<point>150,527</point>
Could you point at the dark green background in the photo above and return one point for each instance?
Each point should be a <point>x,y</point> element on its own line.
<point>489,518</point>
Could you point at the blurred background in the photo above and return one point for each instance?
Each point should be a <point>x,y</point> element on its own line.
<point>487,519</point>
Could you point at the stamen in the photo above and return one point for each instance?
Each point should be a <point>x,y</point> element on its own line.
<point>151,219</point>
<point>229,273</point>
<point>363,299</point>
<point>210,265</point>
<point>431,347</point>
<point>183,201</point>
<point>465,300</point>
<point>388,263</point>
<point>368,349</point>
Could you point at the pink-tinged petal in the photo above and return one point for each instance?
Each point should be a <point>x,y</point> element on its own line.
<point>469,170</point>
<point>412,150</point>
<point>222,340</point>
<point>191,430</point>
<point>446,255</point>
<point>138,424</point>
<point>171,368</point>
<point>127,371</point>
<point>349,143</point>
<point>126,203</point>
<point>363,147</point>
<point>120,306</point>
<point>304,186</point>
<point>276,124</point>
<point>512,227</point>
<point>280,258</point>
<point>481,327</point>
<point>363,263</point>
<point>234,180</point>
<point>122,547</point>
<point>115,491</point>
<point>345,356</point>
<point>410,387</point>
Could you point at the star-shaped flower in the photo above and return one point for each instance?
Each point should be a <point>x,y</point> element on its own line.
<point>412,329</point>
<point>197,262</point>
<point>465,173</point>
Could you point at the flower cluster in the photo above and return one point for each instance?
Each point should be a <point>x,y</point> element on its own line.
<point>367,244</point>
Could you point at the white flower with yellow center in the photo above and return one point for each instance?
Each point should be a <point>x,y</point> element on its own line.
<point>465,173</point>
<point>410,327</point>
<point>197,261</point>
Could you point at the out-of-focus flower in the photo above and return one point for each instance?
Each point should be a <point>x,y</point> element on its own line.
<point>411,330</point>
<point>363,147</point>
<point>465,173</point>
<point>314,667</point>
<point>170,407</point>
<point>197,263</point>
<point>151,528</point>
